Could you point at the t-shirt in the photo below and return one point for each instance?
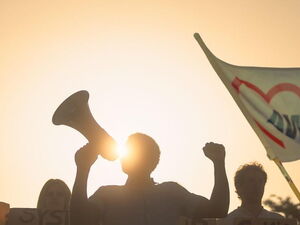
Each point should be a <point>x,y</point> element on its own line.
<point>244,213</point>
<point>159,204</point>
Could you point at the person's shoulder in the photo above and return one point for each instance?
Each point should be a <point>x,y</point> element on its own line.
<point>170,185</point>
<point>268,214</point>
<point>229,219</point>
<point>175,189</point>
<point>107,191</point>
<point>110,188</point>
<point>235,213</point>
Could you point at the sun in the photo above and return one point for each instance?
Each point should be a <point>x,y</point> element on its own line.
<point>121,150</point>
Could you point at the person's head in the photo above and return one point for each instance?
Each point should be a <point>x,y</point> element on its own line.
<point>142,157</point>
<point>55,195</point>
<point>249,181</point>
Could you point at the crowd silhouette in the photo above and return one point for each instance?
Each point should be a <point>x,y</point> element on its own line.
<point>143,201</point>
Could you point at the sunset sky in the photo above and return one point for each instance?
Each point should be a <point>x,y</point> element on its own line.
<point>145,73</point>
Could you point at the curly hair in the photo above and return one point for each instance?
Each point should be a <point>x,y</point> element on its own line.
<point>52,182</point>
<point>244,169</point>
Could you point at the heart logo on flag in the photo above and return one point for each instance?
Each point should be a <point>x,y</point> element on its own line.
<point>277,120</point>
<point>236,83</point>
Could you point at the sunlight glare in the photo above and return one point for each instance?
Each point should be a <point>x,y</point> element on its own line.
<point>122,150</point>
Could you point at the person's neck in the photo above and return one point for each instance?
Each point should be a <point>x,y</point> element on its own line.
<point>139,181</point>
<point>252,207</point>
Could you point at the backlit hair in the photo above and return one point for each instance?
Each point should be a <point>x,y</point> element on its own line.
<point>148,145</point>
<point>54,182</point>
<point>244,169</point>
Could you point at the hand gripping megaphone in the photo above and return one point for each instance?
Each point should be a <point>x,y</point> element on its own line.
<point>75,112</point>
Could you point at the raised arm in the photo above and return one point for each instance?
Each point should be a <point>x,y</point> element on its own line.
<point>218,204</point>
<point>81,211</point>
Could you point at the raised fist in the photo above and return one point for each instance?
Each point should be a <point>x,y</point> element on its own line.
<point>215,152</point>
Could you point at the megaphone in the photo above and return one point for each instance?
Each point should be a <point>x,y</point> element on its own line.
<point>75,112</point>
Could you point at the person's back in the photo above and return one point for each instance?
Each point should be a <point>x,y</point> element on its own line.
<point>155,204</point>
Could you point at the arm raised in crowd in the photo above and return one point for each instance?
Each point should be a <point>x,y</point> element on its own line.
<point>81,210</point>
<point>217,206</point>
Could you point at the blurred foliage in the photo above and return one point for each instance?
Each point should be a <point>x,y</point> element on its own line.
<point>284,205</point>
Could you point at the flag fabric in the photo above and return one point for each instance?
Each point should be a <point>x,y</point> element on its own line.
<point>269,99</point>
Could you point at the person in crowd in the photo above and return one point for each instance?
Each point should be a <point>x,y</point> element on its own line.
<point>55,195</point>
<point>141,201</point>
<point>4,210</point>
<point>249,181</point>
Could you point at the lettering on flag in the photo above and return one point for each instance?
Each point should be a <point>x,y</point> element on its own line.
<point>279,121</point>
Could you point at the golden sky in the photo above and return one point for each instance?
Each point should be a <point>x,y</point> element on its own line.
<point>145,73</point>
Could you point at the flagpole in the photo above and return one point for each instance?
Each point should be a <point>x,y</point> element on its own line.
<point>287,177</point>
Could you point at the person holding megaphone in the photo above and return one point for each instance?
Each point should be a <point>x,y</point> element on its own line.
<point>142,201</point>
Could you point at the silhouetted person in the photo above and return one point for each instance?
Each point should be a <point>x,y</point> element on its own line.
<point>4,210</point>
<point>249,181</point>
<point>55,195</point>
<point>141,201</point>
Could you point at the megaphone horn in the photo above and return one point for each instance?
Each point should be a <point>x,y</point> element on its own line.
<point>75,112</point>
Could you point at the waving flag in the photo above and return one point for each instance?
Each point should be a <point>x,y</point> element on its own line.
<point>269,99</point>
